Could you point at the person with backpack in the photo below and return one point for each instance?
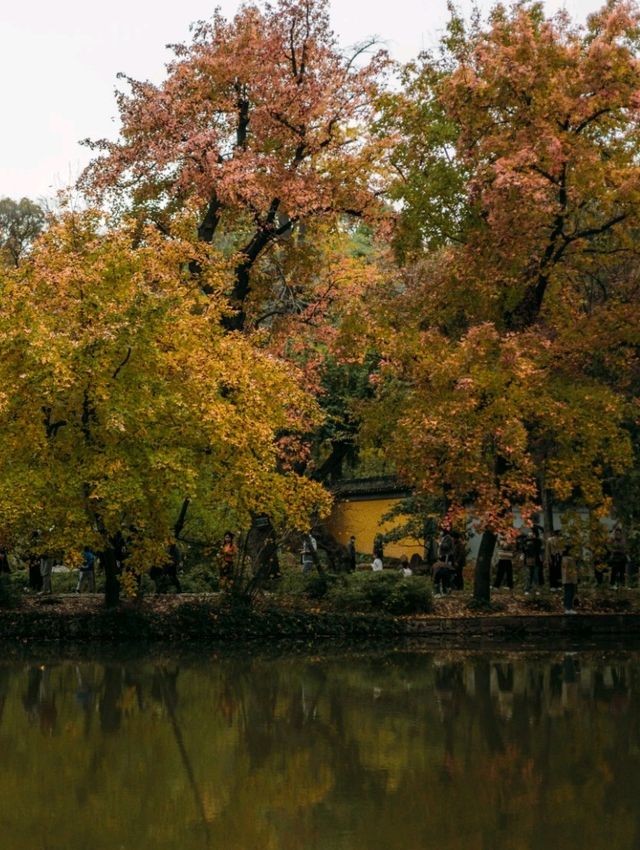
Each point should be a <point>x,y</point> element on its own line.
<point>446,548</point>
<point>87,572</point>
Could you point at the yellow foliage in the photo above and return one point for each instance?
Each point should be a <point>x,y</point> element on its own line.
<point>122,396</point>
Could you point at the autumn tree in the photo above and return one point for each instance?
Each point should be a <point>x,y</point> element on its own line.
<point>262,130</point>
<point>261,125</point>
<point>20,223</point>
<point>508,349</point>
<point>122,395</point>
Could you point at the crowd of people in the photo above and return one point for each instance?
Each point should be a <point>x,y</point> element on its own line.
<point>41,568</point>
<point>552,560</point>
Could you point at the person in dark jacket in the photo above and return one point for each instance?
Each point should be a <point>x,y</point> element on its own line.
<point>617,557</point>
<point>351,554</point>
<point>459,559</point>
<point>533,550</point>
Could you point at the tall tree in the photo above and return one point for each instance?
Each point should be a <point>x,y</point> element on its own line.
<point>20,223</point>
<point>121,395</point>
<point>260,125</point>
<point>261,131</point>
<point>506,351</point>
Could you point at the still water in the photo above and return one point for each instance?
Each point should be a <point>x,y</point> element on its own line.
<point>401,750</point>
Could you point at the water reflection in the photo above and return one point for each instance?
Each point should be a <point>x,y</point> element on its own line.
<point>386,750</point>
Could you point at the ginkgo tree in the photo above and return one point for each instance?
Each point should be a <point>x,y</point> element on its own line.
<point>509,342</point>
<point>122,395</point>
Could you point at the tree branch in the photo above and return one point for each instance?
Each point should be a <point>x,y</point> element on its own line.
<point>124,363</point>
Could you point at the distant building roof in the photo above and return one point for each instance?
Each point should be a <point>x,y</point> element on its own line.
<point>379,487</point>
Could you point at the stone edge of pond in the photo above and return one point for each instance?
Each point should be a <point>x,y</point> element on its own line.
<point>195,622</point>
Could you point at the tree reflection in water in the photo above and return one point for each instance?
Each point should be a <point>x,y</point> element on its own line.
<point>386,750</point>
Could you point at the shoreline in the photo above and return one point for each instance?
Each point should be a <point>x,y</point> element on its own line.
<point>201,620</point>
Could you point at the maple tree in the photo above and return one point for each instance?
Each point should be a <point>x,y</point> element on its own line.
<point>122,394</point>
<point>262,131</point>
<point>508,354</point>
<point>261,125</point>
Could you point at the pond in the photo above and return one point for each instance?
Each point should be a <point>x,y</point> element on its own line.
<point>396,750</point>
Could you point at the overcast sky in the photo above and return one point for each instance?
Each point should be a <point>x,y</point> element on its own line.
<point>59,60</point>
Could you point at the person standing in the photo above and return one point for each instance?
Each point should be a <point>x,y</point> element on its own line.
<point>378,547</point>
<point>87,574</point>
<point>569,568</point>
<point>351,554</point>
<point>504,571</point>
<point>618,558</point>
<point>459,559</point>
<point>46,571</point>
<point>532,549</point>
<point>554,560</point>
<point>309,550</point>
<point>228,555</point>
<point>446,548</point>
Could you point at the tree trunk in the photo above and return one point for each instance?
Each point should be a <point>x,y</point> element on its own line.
<point>482,576</point>
<point>331,469</point>
<point>547,509</point>
<point>112,582</point>
<point>177,529</point>
<point>263,549</point>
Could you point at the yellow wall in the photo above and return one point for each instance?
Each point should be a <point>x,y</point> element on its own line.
<point>361,517</point>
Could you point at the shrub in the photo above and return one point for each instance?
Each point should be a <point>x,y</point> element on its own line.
<point>199,579</point>
<point>308,585</point>
<point>388,592</point>
<point>410,595</point>
<point>10,594</point>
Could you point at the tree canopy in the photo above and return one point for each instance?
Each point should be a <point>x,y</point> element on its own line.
<point>261,124</point>
<point>446,265</point>
<point>509,339</point>
<point>122,395</point>
<point>21,222</point>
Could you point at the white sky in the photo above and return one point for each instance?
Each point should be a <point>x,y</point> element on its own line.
<point>59,60</point>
